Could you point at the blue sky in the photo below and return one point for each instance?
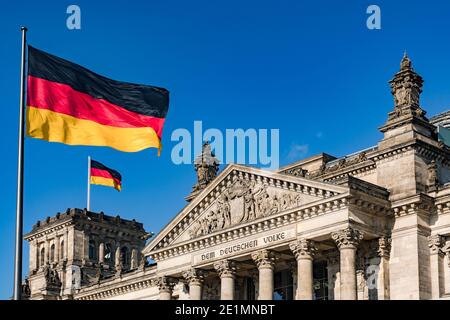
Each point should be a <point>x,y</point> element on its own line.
<point>310,68</point>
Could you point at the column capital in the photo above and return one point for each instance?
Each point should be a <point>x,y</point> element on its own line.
<point>384,247</point>
<point>303,248</point>
<point>347,238</point>
<point>225,268</point>
<point>195,276</point>
<point>165,284</point>
<point>264,258</point>
<point>436,243</point>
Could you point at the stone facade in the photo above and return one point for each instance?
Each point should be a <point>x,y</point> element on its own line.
<point>371,225</point>
<point>79,248</point>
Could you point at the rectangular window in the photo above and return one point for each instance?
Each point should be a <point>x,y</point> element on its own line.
<point>283,286</point>
<point>320,280</point>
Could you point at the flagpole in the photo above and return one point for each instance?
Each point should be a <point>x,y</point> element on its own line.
<point>20,158</point>
<point>88,207</point>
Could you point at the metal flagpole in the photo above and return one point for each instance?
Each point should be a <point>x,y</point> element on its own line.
<point>19,196</point>
<point>88,207</point>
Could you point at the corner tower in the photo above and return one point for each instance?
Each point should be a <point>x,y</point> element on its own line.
<point>79,248</point>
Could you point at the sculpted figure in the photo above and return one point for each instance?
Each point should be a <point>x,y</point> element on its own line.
<point>262,206</point>
<point>275,205</point>
<point>224,210</point>
<point>285,201</point>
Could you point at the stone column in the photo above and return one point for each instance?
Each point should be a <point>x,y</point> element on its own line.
<point>435,243</point>
<point>85,247</point>
<point>65,254</point>
<point>362,290</point>
<point>384,252</point>
<point>101,252</point>
<point>57,248</point>
<point>195,278</point>
<point>347,241</point>
<point>446,250</point>
<point>227,273</point>
<point>47,252</point>
<point>117,261</point>
<point>134,259</point>
<point>165,286</point>
<point>304,251</point>
<point>265,260</point>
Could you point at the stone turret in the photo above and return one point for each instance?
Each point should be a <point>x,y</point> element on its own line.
<point>79,248</point>
<point>408,117</point>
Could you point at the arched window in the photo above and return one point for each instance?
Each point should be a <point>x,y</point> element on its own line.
<point>52,253</point>
<point>92,250</point>
<point>124,256</point>
<point>61,250</point>
<point>108,253</point>
<point>42,257</point>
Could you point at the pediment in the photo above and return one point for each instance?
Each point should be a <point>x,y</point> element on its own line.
<point>236,196</point>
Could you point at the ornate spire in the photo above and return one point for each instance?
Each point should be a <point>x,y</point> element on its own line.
<point>406,63</point>
<point>406,86</point>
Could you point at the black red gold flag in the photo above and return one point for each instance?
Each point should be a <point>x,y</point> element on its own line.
<point>101,174</point>
<point>70,104</point>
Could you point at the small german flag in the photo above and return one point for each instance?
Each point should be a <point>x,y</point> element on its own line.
<point>70,104</point>
<point>101,174</point>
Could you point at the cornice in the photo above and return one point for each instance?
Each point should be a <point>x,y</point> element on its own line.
<point>292,216</point>
<point>349,171</point>
<point>287,217</point>
<point>57,227</point>
<point>107,290</point>
<point>443,206</point>
<point>423,148</point>
<point>419,204</point>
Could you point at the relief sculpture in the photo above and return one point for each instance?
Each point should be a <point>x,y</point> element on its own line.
<point>256,203</point>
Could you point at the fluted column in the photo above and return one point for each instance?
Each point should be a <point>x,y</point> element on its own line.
<point>227,273</point>
<point>265,260</point>
<point>304,251</point>
<point>165,286</point>
<point>195,278</point>
<point>347,241</point>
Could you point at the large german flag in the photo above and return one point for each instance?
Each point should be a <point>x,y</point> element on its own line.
<point>101,174</point>
<point>70,104</point>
